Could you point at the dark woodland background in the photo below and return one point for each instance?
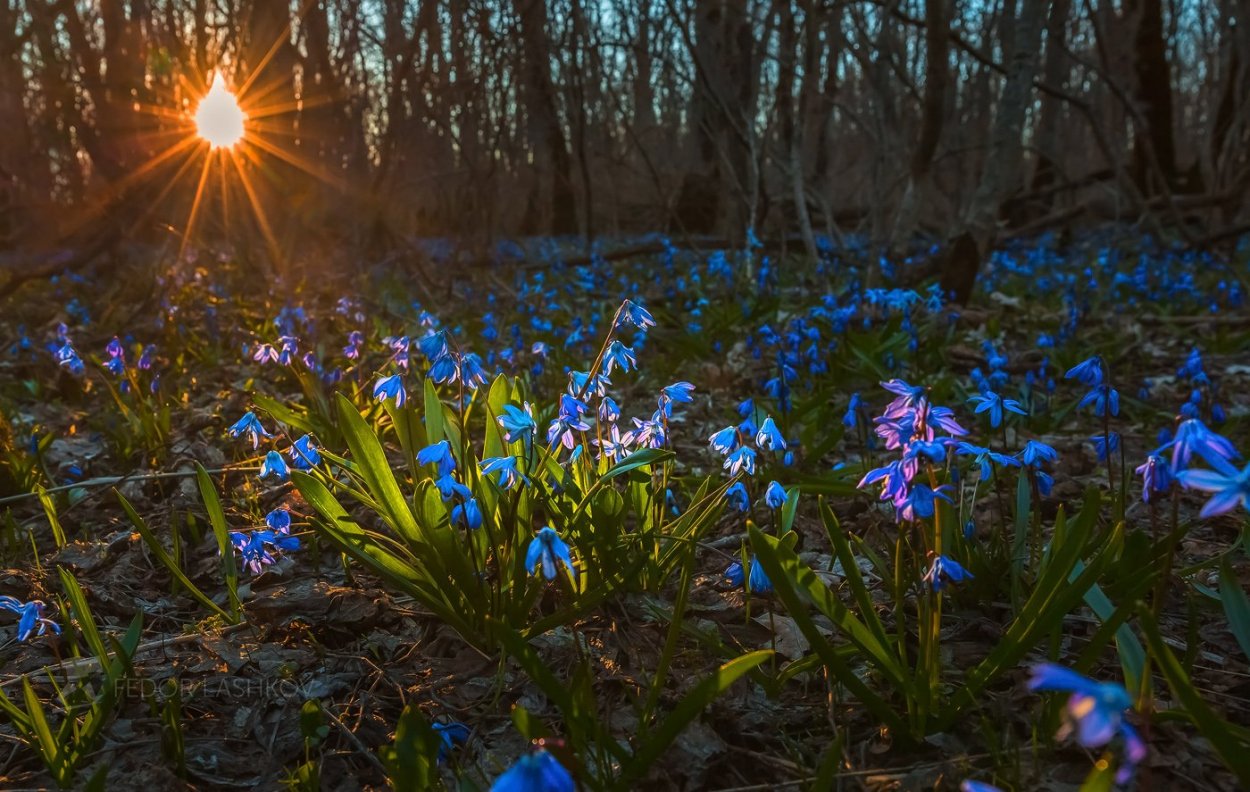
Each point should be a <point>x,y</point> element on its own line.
<point>956,120</point>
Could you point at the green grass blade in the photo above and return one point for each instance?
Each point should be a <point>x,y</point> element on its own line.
<point>217,519</point>
<point>1236,607</point>
<point>157,550</point>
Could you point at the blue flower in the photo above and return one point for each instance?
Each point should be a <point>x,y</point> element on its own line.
<point>724,441</point>
<point>1156,476</point>
<point>1096,708</point>
<point>757,579</point>
<point>438,454</point>
<point>274,465</point>
<point>517,423</point>
<point>1088,372</point>
<point>635,314</point>
<point>537,772</point>
<point>1105,444</point>
<point>769,436</point>
<point>921,501</point>
<point>251,547</point>
<point>355,340</point>
<point>304,453</point>
<point>945,568</point>
<point>734,574</point>
<point>851,419</point>
<point>969,785</point>
<point>678,392</point>
<point>391,387</point>
<point>775,495</point>
<point>608,411</point>
<point>618,354</point>
<point>249,424</point>
<point>1230,487</point>
<point>31,616</point>
<point>743,459</point>
<point>434,345</point>
<point>1105,399</point>
<point>445,370</point>
<point>737,497</point>
<point>994,404</point>
<point>547,548</point>
<point>450,735</point>
<point>1035,453</point>
<point>471,370</point>
<point>1193,436</point>
<point>506,467</point>
<point>279,520</point>
<point>449,488</point>
<point>467,515</point>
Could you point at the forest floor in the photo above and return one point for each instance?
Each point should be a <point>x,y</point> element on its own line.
<point>210,704</point>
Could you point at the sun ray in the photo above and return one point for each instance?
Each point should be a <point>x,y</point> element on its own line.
<point>299,162</point>
<point>195,203</point>
<point>265,229</point>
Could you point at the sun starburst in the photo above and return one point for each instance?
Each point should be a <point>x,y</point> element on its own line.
<point>219,119</point>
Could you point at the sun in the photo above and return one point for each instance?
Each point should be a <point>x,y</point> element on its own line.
<point>219,119</point>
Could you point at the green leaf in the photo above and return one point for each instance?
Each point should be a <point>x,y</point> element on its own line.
<point>434,431</point>
<point>373,467</point>
<point>82,613</point>
<point>645,456</point>
<point>157,550</point>
<point>689,708</point>
<point>1233,752</point>
<point>1132,655</point>
<point>217,519</point>
<point>1236,607</point>
<point>790,576</point>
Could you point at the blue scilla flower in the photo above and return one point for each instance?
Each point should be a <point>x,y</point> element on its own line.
<point>969,785</point>
<point>254,548</point>
<point>1156,477</point>
<point>921,502</point>
<point>724,441</point>
<point>1105,444</point>
<point>546,548</point>
<point>537,772</point>
<point>266,353</point>
<point>449,488</point>
<point>734,574</point>
<point>450,736</point>
<point>1096,709</point>
<point>279,520</point>
<point>769,436</point>
<point>986,458</point>
<point>471,371</point>
<point>505,467</point>
<point>274,465</point>
<point>438,454</point>
<point>679,392</point>
<point>638,316</point>
<point>851,419</point>
<point>746,408</point>
<point>908,396</point>
<point>391,387</point>
<point>31,615</point>
<point>355,340</point>
<point>434,345</point>
<point>467,514</point>
<point>618,354</point>
<point>1193,437</point>
<point>445,370</point>
<point>517,423</point>
<point>775,495</point>
<point>249,425</point>
<point>608,411</point>
<point>1035,453</point>
<point>1230,487</point>
<point>895,480</point>
<point>304,454</point>
<point>757,579</point>
<point>991,402</point>
<point>1088,372</point>
<point>145,359</point>
<point>737,497</point>
<point>945,568</point>
<point>743,459</point>
<point>1104,398</point>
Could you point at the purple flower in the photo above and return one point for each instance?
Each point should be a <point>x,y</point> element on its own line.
<point>1097,711</point>
<point>1193,436</point>
<point>1156,476</point>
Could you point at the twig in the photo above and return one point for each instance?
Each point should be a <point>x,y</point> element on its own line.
<point>108,481</point>
<point>355,741</point>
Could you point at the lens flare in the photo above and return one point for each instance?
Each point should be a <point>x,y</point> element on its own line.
<point>219,119</point>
